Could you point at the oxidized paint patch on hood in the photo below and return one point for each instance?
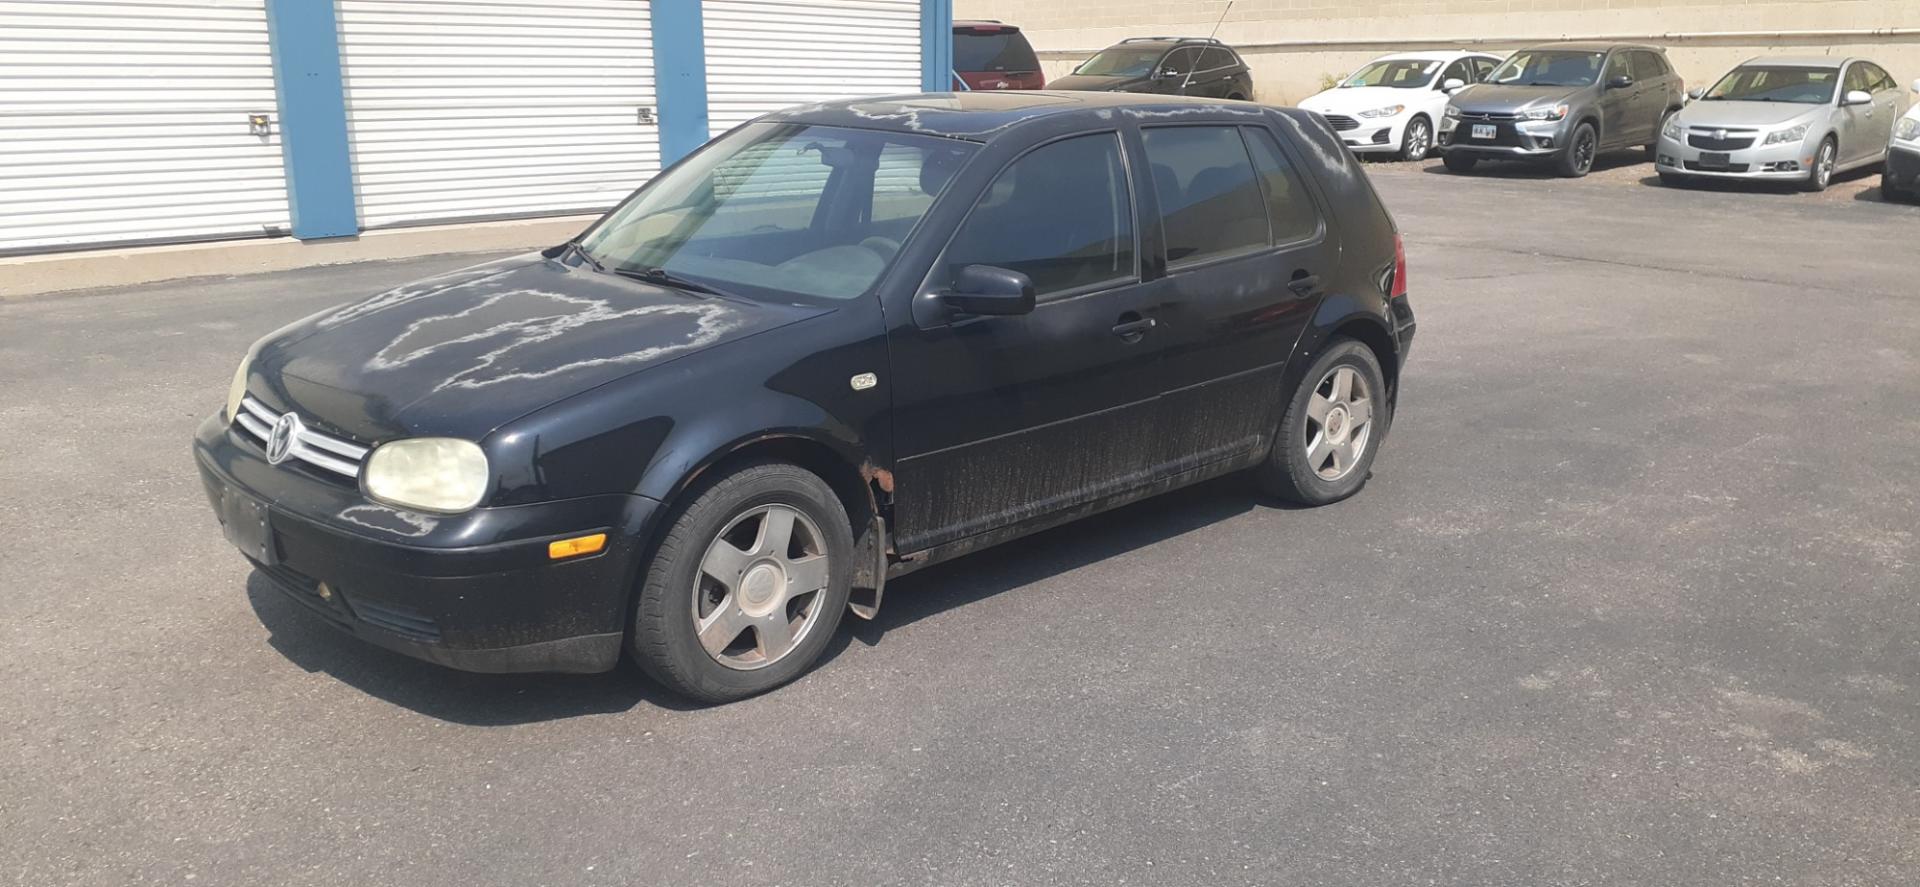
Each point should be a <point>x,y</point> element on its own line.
<point>462,353</point>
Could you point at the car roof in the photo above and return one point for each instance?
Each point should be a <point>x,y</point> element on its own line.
<point>984,22</point>
<point>1595,46</point>
<point>1798,61</point>
<point>1434,55</point>
<point>978,116</point>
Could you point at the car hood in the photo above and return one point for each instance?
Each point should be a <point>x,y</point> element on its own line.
<point>1704,113</point>
<point>1355,99</point>
<point>461,354</point>
<point>1090,83</point>
<point>1489,98</point>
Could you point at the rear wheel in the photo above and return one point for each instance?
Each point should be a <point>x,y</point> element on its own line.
<point>1458,162</point>
<point>1821,174</point>
<point>747,586</point>
<point>1323,451</point>
<point>1576,159</point>
<point>1417,140</point>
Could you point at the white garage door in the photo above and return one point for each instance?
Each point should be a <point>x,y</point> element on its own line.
<point>473,109</point>
<point>764,55</point>
<point>126,122</point>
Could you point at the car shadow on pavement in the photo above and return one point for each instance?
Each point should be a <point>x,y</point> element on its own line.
<point>1022,562</point>
<point>1524,169</point>
<point>489,700</point>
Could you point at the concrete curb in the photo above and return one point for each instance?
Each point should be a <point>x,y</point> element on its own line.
<point>28,276</point>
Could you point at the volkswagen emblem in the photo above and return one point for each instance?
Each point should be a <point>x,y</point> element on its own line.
<point>280,440</point>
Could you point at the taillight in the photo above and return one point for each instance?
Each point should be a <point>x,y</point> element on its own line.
<point>1399,287</point>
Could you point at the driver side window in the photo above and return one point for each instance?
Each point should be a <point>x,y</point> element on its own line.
<point>1617,66</point>
<point>1180,62</point>
<point>1061,214</point>
<point>1460,70</point>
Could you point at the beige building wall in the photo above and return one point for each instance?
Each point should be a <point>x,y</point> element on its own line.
<point>1294,45</point>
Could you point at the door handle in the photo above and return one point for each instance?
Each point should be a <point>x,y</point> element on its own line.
<point>1304,284</point>
<point>1132,327</point>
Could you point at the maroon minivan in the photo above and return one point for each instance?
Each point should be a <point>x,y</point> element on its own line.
<point>994,55</point>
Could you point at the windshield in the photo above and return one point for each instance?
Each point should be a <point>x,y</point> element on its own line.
<point>1765,83</point>
<point>1557,67</point>
<point>1121,61</point>
<point>778,210</point>
<point>978,51</point>
<point>1399,73</point>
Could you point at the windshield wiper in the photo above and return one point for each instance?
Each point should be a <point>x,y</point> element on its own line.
<point>662,277</point>
<point>585,256</point>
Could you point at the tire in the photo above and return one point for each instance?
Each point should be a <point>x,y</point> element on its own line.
<point>1236,97</point>
<point>1821,173</point>
<point>1576,159</point>
<point>1416,151</point>
<point>1290,472</point>
<point>747,504</point>
<point>1458,162</point>
<point>1892,193</point>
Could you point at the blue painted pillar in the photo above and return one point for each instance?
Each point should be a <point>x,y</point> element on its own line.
<point>313,117</point>
<point>936,45</point>
<point>679,77</point>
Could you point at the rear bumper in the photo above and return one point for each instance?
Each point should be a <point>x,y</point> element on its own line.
<point>477,591</point>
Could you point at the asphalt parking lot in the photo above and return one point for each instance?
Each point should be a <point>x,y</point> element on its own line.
<point>1630,600</point>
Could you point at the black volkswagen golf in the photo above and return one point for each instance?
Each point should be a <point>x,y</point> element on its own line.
<point>835,345</point>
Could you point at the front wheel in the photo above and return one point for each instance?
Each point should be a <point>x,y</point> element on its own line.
<point>1332,428</point>
<point>1458,162</point>
<point>1576,159</point>
<point>747,586</point>
<point>1417,140</point>
<point>1821,175</point>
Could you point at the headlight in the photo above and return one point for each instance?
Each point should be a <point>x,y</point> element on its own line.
<point>1672,130</point>
<point>1387,111</point>
<point>1556,112</point>
<point>1908,128</point>
<point>1788,135</point>
<point>238,388</point>
<point>1451,111</point>
<point>428,473</point>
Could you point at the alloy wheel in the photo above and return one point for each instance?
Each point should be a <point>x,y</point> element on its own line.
<point>758,592</point>
<point>1419,140</point>
<point>1339,423</point>
<point>1583,151</point>
<point>1823,165</point>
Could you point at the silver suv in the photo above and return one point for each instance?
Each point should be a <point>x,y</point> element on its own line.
<point>1563,104</point>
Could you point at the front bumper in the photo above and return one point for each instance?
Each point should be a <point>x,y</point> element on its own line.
<point>1903,166</point>
<point>1514,139</point>
<point>1374,136</point>
<point>1787,161</point>
<point>475,591</point>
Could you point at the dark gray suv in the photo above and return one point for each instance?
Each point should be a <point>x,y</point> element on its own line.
<point>1564,104</point>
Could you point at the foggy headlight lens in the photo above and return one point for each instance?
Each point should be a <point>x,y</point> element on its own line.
<point>238,388</point>
<point>1451,111</point>
<point>1672,129</point>
<point>428,473</point>
<point>1387,111</point>
<point>1788,135</point>
<point>1554,113</point>
<point>1908,128</point>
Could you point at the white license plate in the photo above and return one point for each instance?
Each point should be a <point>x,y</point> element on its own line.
<point>1484,131</point>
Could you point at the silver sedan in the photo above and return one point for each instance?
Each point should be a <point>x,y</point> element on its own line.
<point>1800,120</point>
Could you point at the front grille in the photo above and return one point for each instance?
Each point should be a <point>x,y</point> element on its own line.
<point>322,451</point>
<point>1483,116</point>
<point>1342,123</point>
<point>1731,167</point>
<point>1734,141</point>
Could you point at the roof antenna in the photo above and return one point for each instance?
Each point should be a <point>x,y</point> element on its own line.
<point>1210,36</point>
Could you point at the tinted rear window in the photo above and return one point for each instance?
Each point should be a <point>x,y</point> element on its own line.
<point>1210,199</point>
<point>1001,51</point>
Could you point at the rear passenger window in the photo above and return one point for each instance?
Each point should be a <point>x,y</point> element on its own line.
<point>1215,59</point>
<point>1061,214</point>
<point>1648,66</point>
<point>1290,210</point>
<point>1211,203</point>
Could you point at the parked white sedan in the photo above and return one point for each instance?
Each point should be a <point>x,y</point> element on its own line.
<point>1391,105</point>
<point>1901,178</point>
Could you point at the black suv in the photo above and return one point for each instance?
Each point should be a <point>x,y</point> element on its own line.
<point>1164,66</point>
<point>1563,104</point>
<point>833,346</point>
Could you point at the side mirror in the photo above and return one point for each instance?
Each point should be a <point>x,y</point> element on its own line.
<point>1697,93</point>
<point>1619,81</point>
<point>1857,97</point>
<point>985,289</point>
<point>1453,85</point>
